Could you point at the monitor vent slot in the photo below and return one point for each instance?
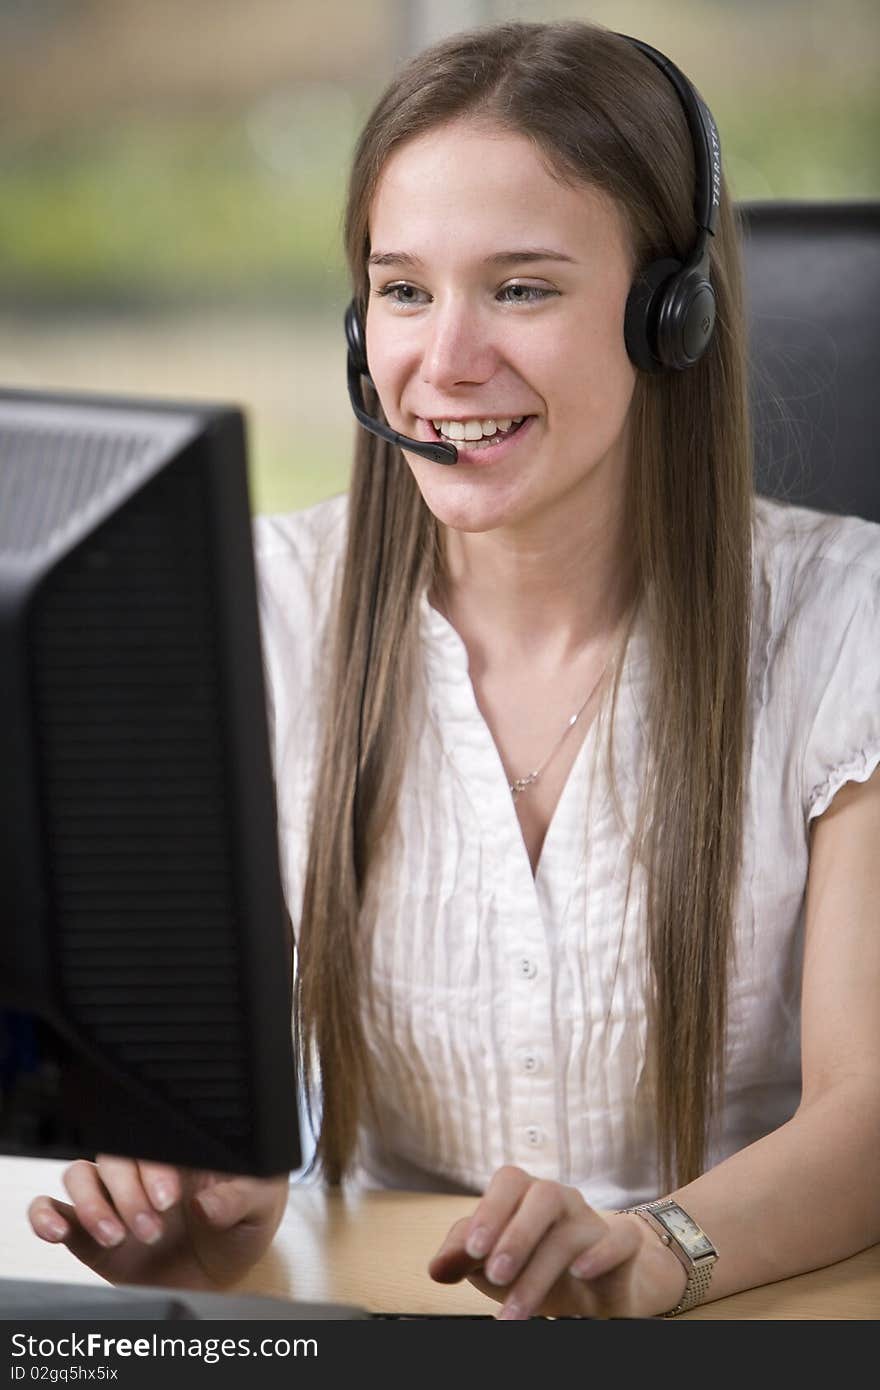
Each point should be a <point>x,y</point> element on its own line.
<point>53,482</point>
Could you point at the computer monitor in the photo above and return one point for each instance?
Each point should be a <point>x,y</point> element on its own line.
<point>145,955</point>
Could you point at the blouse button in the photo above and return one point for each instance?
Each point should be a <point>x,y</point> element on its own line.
<point>531,1062</point>
<point>527,968</point>
<point>534,1136</point>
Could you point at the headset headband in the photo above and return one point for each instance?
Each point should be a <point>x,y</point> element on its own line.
<point>704,137</point>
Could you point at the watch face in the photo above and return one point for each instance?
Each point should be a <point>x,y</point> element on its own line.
<point>685,1231</point>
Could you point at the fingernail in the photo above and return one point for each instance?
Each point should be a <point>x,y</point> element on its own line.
<point>511,1312</point>
<point>209,1204</point>
<point>52,1228</point>
<point>147,1228</point>
<point>499,1270</point>
<point>582,1268</point>
<point>479,1242</point>
<point>109,1233</point>
<point>163,1196</point>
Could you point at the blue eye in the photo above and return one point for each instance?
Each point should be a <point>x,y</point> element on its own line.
<point>525,294</point>
<point>404,295</point>
<point>400,293</point>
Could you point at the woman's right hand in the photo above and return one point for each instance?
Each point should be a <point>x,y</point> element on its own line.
<point>135,1222</point>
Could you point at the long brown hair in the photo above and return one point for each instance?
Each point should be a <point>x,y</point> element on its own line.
<point>602,115</point>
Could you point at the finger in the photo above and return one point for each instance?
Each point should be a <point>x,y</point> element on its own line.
<point>94,1211</point>
<point>162,1184</point>
<point>122,1179</point>
<point>107,1198</point>
<point>227,1202</point>
<point>49,1216</point>
<point>495,1209</point>
<point>544,1205</point>
<point>50,1219</point>
<point>452,1262</point>
<point>543,1283</point>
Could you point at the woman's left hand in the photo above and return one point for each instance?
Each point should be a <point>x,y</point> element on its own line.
<point>539,1249</point>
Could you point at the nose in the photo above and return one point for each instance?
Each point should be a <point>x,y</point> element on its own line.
<point>458,349</point>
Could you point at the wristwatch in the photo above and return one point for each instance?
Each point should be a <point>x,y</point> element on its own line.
<point>688,1241</point>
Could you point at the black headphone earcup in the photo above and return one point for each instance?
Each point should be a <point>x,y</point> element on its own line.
<point>685,320</point>
<point>642,311</point>
<point>354,335</point>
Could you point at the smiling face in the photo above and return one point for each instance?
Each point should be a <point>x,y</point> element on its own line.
<point>497,293</point>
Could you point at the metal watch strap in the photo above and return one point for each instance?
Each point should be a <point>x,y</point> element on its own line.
<point>699,1272</point>
<point>696,1288</point>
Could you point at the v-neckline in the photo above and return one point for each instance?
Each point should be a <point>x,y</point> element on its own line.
<point>475,756</point>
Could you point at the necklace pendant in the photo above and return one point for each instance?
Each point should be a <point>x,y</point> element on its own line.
<point>522,784</point>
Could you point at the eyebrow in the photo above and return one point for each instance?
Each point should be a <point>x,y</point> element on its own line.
<point>523,257</point>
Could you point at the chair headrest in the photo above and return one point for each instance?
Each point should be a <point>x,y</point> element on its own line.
<point>812,284</point>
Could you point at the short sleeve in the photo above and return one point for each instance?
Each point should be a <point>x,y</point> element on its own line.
<point>843,742</point>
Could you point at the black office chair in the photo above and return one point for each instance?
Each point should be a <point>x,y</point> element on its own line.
<point>812,273</point>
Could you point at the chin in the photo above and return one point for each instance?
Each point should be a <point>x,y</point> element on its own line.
<point>464,502</point>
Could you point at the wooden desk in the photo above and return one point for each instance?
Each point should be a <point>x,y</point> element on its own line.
<point>372,1250</point>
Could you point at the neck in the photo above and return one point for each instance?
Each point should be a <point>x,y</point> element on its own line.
<point>540,593</point>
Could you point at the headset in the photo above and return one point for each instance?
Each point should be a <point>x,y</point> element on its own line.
<point>670,309</point>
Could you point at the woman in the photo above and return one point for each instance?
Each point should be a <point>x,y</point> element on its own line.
<point>580,735</point>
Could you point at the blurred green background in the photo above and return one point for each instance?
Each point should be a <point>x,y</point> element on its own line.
<point>172,176</point>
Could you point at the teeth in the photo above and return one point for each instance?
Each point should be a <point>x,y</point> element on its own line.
<point>475,429</point>
<point>453,429</point>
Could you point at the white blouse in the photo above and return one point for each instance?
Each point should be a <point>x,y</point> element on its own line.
<point>509,1015</point>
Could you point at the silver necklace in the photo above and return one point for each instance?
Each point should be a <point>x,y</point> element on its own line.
<point>522,784</point>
